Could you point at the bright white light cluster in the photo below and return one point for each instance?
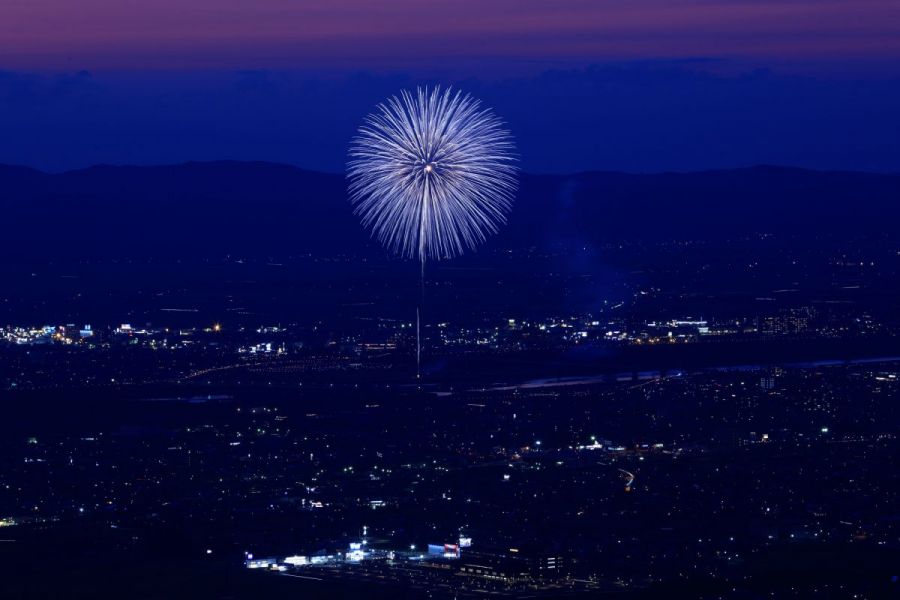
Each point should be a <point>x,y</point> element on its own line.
<point>432,174</point>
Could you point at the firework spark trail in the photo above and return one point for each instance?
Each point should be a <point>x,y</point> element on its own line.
<point>432,175</point>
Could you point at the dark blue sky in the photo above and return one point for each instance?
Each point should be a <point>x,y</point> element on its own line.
<point>646,116</point>
<point>635,85</point>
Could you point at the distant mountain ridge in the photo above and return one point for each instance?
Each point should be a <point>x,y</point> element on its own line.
<point>267,208</point>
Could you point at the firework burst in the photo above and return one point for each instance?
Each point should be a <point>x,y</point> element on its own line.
<point>432,174</point>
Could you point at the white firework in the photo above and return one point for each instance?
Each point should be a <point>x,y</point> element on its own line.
<point>432,174</point>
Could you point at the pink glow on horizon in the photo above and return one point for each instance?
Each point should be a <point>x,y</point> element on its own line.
<point>99,34</point>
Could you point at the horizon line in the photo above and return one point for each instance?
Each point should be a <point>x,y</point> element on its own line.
<point>227,161</point>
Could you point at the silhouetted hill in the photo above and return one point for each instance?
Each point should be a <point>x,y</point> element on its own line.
<point>263,208</point>
<point>592,207</point>
<point>194,207</point>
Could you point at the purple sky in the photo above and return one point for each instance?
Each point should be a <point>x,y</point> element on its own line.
<point>241,34</point>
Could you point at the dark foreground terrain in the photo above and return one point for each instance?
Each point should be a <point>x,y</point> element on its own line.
<point>747,483</point>
<point>634,391</point>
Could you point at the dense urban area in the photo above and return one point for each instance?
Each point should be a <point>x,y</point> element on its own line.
<point>694,430</point>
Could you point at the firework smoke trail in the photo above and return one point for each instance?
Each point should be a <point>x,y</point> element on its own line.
<point>432,175</point>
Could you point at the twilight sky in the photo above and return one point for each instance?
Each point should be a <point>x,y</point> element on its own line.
<point>638,85</point>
